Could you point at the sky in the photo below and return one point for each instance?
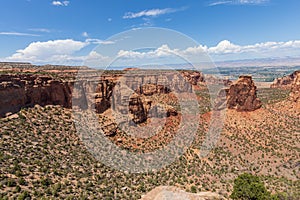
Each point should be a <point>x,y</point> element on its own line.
<point>72,32</point>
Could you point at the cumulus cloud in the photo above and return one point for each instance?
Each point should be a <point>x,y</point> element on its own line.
<point>224,50</point>
<point>60,3</point>
<point>50,51</point>
<point>65,52</point>
<point>95,59</point>
<point>162,51</point>
<point>56,51</point>
<point>150,13</point>
<point>226,47</point>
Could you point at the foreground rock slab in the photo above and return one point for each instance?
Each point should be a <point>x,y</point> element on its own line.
<point>173,193</point>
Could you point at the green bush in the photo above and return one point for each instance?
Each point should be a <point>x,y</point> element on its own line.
<point>24,195</point>
<point>193,189</point>
<point>249,187</point>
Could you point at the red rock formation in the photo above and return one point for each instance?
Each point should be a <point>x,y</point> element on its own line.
<point>55,85</point>
<point>240,96</point>
<point>150,89</point>
<point>17,91</point>
<point>194,77</point>
<point>285,82</point>
<point>295,91</point>
<point>137,109</point>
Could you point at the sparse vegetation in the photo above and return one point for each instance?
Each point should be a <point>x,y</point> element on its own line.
<point>42,157</point>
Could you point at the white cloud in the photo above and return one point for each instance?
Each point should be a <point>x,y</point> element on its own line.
<point>150,13</point>
<point>50,51</point>
<point>85,34</point>
<point>162,51</point>
<point>57,52</point>
<point>226,47</point>
<point>220,3</point>
<point>66,52</point>
<point>60,3</point>
<point>18,34</point>
<point>239,2</point>
<point>95,59</point>
<point>97,41</point>
<point>43,30</point>
<point>251,1</point>
<point>225,50</point>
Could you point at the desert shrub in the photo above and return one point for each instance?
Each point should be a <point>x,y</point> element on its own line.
<point>249,187</point>
<point>193,189</point>
<point>24,195</point>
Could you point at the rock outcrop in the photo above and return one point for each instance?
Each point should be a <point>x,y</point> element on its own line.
<point>25,85</point>
<point>241,96</point>
<point>194,77</point>
<point>173,193</point>
<point>26,90</point>
<point>285,82</point>
<point>138,109</point>
<point>18,91</point>
<point>295,90</point>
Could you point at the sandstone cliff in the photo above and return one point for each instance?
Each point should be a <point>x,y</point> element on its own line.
<point>18,91</point>
<point>24,85</point>
<point>285,82</point>
<point>295,88</point>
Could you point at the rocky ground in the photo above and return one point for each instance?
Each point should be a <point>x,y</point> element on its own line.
<point>42,157</point>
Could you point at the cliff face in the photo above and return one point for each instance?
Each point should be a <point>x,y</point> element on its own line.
<point>295,91</point>
<point>285,82</point>
<point>90,91</point>
<point>26,90</point>
<point>17,91</point>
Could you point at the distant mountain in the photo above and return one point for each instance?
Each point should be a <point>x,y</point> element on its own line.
<point>263,62</point>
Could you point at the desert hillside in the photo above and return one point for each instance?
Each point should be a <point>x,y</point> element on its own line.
<point>43,157</point>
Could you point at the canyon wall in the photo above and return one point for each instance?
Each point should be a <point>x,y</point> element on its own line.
<point>24,85</point>
<point>19,90</point>
<point>295,88</point>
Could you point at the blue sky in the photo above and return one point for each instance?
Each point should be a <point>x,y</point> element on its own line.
<point>46,31</point>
